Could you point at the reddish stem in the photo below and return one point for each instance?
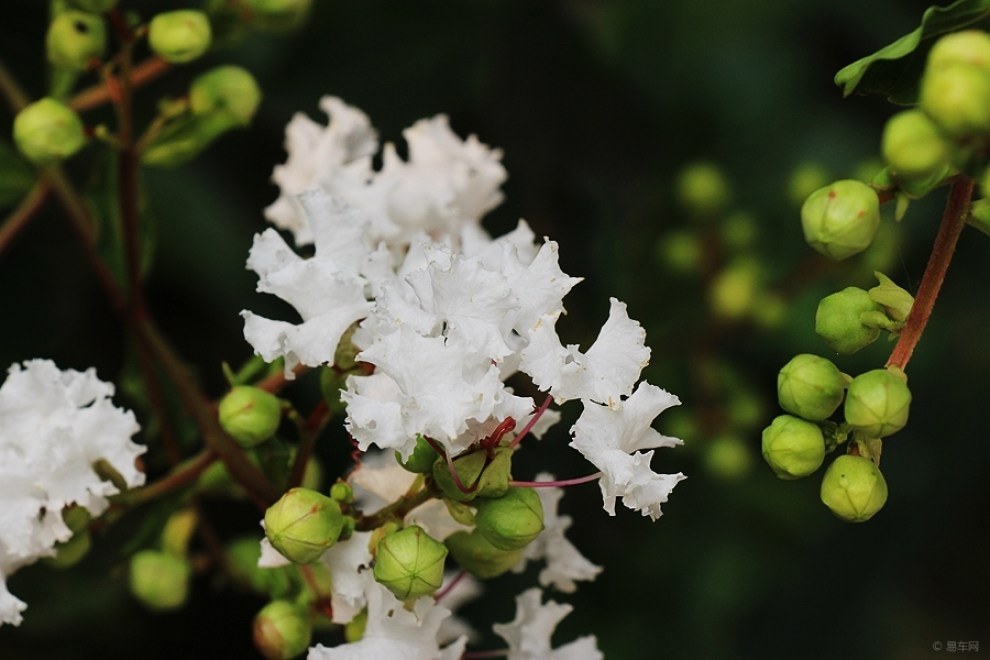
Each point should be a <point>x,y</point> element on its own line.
<point>557,483</point>
<point>532,421</point>
<point>449,586</point>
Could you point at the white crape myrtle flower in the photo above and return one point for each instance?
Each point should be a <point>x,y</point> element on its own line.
<point>529,633</point>
<point>349,563</point>
<point>394,631</point>
<point>54,425</point>
<point>564,563</point>
<point>612,439</point>
<point>444,188</point>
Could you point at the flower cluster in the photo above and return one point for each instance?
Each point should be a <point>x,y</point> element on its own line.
<point>54,426</point>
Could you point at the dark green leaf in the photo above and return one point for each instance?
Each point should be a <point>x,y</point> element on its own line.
<point>895,70</point>
<point>16,176</point>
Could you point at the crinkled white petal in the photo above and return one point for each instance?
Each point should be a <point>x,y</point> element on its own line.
<point>54,425</point>
<point>604,374</point>
<point>466,589</point>
<point>349,562</point>
<point>529,633</point>
<point>611,439</point>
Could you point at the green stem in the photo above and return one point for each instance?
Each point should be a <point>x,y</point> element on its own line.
<point>180,476</point>
<point>309,431</point>
<point>397,510</point>
<point>953,220</point>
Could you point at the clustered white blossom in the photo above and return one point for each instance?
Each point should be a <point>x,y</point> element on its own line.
<point>445,314</point>
<point>54,425</point>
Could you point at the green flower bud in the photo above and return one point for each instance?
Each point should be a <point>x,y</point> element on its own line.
<point>838,320</point>
<point>94,6</point>
<point>493,482</point>
<point>48,131</point>
<point>810,387</point>
<point>841,219</point>
<point>878,402</point>
<point>913,146</point>
<point>342,492</point>
<point>303,524</point>
<point>421,459</point>
<point>793,447</point>
<point>354,630</point>
<point>69,553</point>
<point>250,415</point>
<point>282,630</point>
<point>957,98</point>
<point>970,47</point>
<point>702,189</point>
<point>896,301</point>
<point>279,14</point>
<point>179,36</point>
<point>226,90</point>
<point>734,289</point>
<point>513,521</point>
<point>853,488</point>
<point>74,38</point>
<point>410,562</point>
<point>159,580</point>
<point>242,562</point>
<point>476,555</point>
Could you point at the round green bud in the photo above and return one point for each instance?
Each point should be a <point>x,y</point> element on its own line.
<point>510,522</point>
<point>179,36</point>
<point>853,488</point>
<point>48,131</point>
<point>303,524</point>
<point>94,6</point>
<point>226,90</point>
<point>159,580</point>
<point>913,146</point>
<point>878,402</point>
<point>740,230</point>
<point>282,630</point>
<point>680,251</point>
<point>279,14</point>
<point>838,320</point>
<point>734,289</point>
<point>793,447</point>
<point>410,562</point>
<point>178,532</point>
<point>702,189</point>
<point>74,39</point>
<point>841,219</point>
<point>242,562</point>
<point>250,415</point>
<point>476,555</point>
<point>957,98</point>
<point>421,459</point>
<point>970,47</point>
<point>810,387</point>
<point>69,553</point>
<point>342,492</point>
<point>492,476</point>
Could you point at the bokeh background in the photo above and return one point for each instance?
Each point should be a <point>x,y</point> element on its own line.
<point>599,107</point>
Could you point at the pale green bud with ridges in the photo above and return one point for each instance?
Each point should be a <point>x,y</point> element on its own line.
<point>510,522</point>
<point>74,39</point>
<point>913,146</point>
<point>492,476</point>
<point>159,580</point>
<point>303,524</point>
<point>48,131</point>
<point>793,447</point>
<point>878,402</point>
<point>476,555</point>
<point>410,563</point>
<point>229,91</point>
<point>853,488</point>
<point>841,219</point>
<point>250,415</point>
<point>810,387</point>
<point>839,320</point>
<point>970,47</point>
<point>179,36</point>
<point>282,630</point>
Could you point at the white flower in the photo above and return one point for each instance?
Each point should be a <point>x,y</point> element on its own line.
<point>54,425</point>
<point>564,563</point>
<point>349,563</point>
<point>529,633</point>
<point>393,631</point>
<point>612,438</point>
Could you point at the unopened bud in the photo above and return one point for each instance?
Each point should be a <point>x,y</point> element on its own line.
<point>476,554</point>
<point>492,478</point>
<point>250,415</point>
<point>48,131</point>
<point>957,98</point>
<point>282,630</point>
<point>74,39</point>
<point>303,524</point>
<point>410,563</point>
<point>913,146</point>
<point>841,219</point>
<point>510,522</point>
<point>242,562</point>
<point>226,90</point>
<point>839,321</point>
<point>159,580</point>
<point>179,36</point>
<point>810,387</point>
<point>793,447</point>
<point>970,47</point>
<point>853,488</point>
<point>878,402</point>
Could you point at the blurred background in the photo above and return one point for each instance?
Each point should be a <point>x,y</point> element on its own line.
<point>600,108</point>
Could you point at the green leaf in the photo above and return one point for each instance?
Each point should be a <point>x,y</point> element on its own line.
<point>895,70</point>
<point>16,176</point>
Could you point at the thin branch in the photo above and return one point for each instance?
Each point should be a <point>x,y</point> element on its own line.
<point>142,74</point>
<point>11,90</point>
<point>180,476</point>
<point>23,214</point>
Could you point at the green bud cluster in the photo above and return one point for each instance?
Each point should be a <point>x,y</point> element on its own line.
<point>955,89</point>
<point>841,219</point>
<point>810,387</point>
<point>303,524</point>
<point>491,477</point>
<point>160,580</point>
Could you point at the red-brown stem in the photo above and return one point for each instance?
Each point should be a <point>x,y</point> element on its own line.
<point>557,483</point>
<point>532,421</point>
<point>23,214</point>
<point>447,588</point>
<point>953,220</point>
<point>180,476</point>
<point>97,95</point>
<point>314,424</point>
